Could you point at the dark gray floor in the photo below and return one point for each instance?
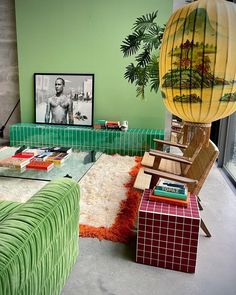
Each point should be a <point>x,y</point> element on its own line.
<point>109,268</point>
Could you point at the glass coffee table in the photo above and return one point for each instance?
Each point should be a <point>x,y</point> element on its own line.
<point>76,166</point>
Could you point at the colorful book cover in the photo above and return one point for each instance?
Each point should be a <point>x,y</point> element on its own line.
<point>168,194</point>
<point>61,149</point>
<point>63,156</point>
<point>39,165</point>
<point>171,186</point>
<point>177,202</point>
<point>11,162</point>
<point>57,158</point>
<point>23,156</point>
<point>43,156</point>
<point>35,151</point>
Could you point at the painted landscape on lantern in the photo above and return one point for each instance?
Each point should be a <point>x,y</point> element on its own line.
<point>193,61</point>
<point>191,67</point>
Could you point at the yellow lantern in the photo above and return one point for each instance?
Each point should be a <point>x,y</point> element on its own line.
<point>198,61</point>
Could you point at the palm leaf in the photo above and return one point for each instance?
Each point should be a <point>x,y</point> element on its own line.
<point>140,91</point>
<point>131,44</point>
<point>155,82</point>
<point>143,76</point>
<point>141,81</point>
<point>154,37</point>
<point>143,58</point>
<point>131,73</point>
<point>145,21</point>
<point>153,69</point>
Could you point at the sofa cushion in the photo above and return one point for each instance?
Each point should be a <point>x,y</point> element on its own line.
<point>39,241</point>
<point>6,207</point>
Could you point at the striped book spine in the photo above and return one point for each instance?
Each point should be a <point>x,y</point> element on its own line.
<point>177,202</point>
<point>171,189</point>
<point>162,193</point>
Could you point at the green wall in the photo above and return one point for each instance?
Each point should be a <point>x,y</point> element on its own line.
<point>84,36</point>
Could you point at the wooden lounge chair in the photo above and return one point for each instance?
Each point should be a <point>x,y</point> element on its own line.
<point>196,174</point>
<point>170,162</point>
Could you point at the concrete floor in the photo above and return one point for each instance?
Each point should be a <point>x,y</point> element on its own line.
<point>109,268</point>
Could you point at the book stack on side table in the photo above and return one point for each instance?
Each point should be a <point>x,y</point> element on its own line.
<point>171,192</point>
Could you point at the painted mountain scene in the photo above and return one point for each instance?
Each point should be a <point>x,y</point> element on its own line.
<point>192,61</point>
<point>191,67</point>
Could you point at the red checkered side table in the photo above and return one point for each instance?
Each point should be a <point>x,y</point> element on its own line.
<point>168,234</point>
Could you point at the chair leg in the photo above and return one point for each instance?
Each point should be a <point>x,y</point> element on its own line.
<point>205,229</point>
<point>199,205</point>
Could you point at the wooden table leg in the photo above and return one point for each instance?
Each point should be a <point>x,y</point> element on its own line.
<point>205,229</point>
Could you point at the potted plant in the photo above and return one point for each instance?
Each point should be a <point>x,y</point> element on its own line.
<point>143,43</point>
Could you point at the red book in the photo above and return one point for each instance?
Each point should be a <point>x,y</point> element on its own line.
<point>39,165</point>
<point>177,202</point>
<point>24,156</point>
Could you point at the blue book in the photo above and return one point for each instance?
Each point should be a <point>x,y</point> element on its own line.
<point>171,186</point>
<point>162,193</point>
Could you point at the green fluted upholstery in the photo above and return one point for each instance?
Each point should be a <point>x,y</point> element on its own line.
<point>6,207</point>
<point>39,240</point>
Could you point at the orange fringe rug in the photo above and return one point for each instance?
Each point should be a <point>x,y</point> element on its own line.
<point>122,229</point>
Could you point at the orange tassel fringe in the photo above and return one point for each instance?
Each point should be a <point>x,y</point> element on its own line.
<point>122,229</point>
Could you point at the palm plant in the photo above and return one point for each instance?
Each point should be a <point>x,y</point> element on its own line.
<point>144,42</point>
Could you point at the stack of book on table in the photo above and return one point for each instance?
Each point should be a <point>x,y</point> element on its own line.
<point>45,158</point>
<point>15,161</point>
<point>171,192</point>
<point>41,158</point>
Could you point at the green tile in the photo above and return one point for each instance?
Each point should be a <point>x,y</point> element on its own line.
<point>132,142</point>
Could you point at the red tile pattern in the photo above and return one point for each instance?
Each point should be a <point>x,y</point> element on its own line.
<point>167,234</point>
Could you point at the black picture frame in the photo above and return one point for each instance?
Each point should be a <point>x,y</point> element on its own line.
<point>70,102</point>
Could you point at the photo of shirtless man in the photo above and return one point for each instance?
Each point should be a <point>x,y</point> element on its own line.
<point>59,107</point>
<point>64,99</point>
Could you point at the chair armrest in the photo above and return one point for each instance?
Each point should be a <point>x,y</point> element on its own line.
<point>169,156</point>
<point>171,143</point>
<point>170,176</point>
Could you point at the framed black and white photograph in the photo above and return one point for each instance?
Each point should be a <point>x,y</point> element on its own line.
<point>64,99</point>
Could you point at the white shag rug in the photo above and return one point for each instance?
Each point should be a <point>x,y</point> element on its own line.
<point>101,189</point>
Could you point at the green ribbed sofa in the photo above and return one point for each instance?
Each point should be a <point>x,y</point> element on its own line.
<point>39,240</point>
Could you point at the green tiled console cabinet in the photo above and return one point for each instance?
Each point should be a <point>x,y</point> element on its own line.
<point>131,142</point>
